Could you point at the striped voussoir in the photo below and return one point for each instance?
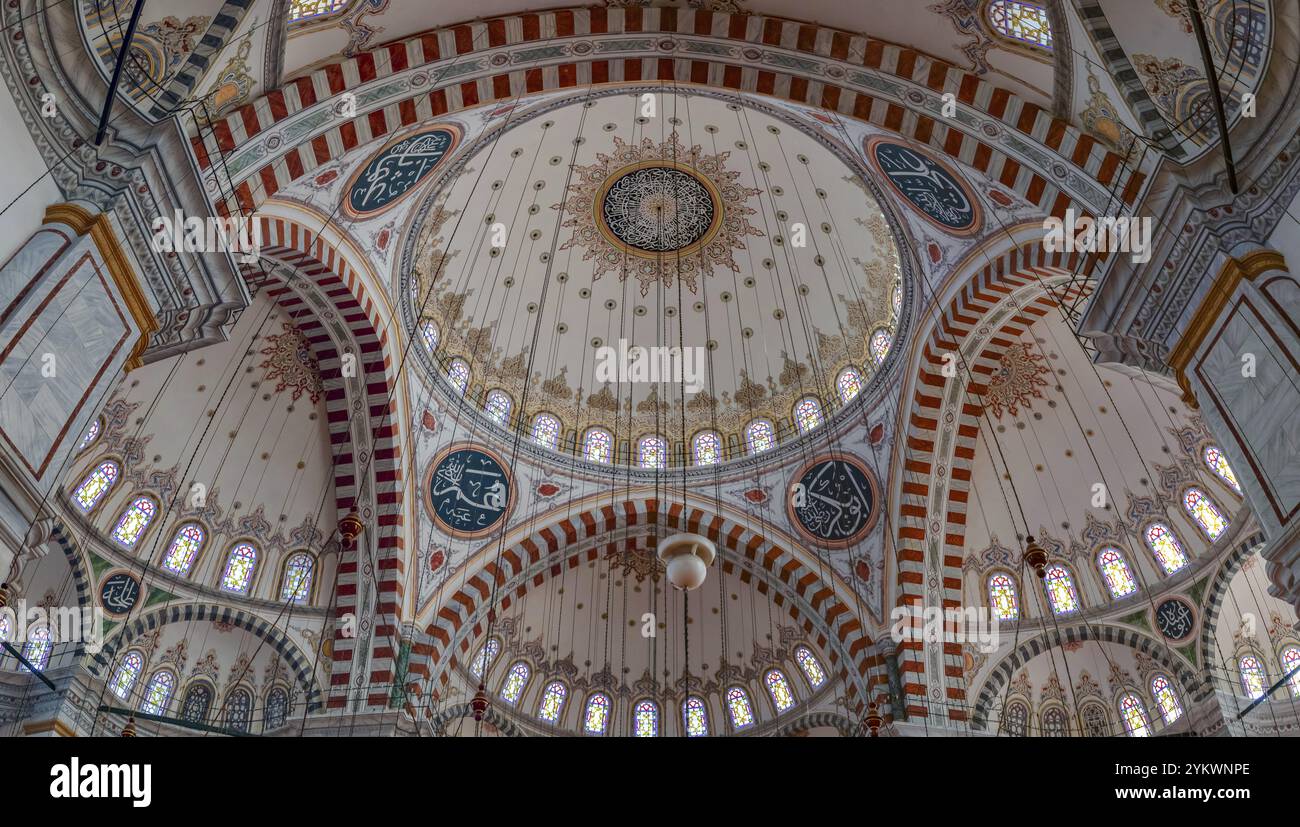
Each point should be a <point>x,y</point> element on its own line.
<point>1218,589</point>
<point>458,712</point>
<point>938,450</point>
<point>301,666</point>
<point>812,720</point>
<point>316,260</point>
<point>800,62</point>
<point>463,618</point>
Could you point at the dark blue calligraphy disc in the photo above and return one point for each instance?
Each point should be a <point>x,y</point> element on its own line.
<point>398,168</point>
<point>927,185</point>
<point>834,501</point>
<point>119,593</point>
<point>468,491</point>
<point>1175,619</point>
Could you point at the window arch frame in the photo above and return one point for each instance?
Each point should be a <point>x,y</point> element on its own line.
<point>816,662</point>
<point>198,552</point>
<point>588,435</point>
<point>532,430</point>
<point>326,17</point>
<point>198,683</point>
<point>308,598</point>
<point>839,384</point>
<point>878,361</point>
<point>719,444</point>
<point>684,708</point>
<point>1205,532</point>
<point>771,695</point>
<point>103,495</point>
<point>1059,709</point>
<point>171,693</point>
<point>149,521</point>
<point>1242,657</point>
<point>1087,725</point>
<point>125,695</point>
<point>488,659</point>
<point>636,717</point>
<point>1145,731</point>
<point>562,707</point>
<point>38,658</point>
<point>523,686</point>
<point>819,412</point>
<point>607,723</point>
<point>253,575</point>
<point>1171,688</point>
<point>761,421</point>
<point>641,452</point>
<point>1022,719</point>
<point>1233,485</point>
<point>498,393</point>
<point>424,327</point>
<point>1177,541</point>
<point>1071,581</point>
<point>731,712</point>
<point>88,439</point>
<point>1294,682</point>
<point>243,689</point>
<point>1015,594</point>
<point>278,686</point>
<point>1123,561</point>
<point>453,366</point>
<point>1016,44</point>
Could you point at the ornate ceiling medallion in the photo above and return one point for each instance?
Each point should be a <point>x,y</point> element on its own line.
<point>398,168</point>
<point>653,210</point>
<point>932,188</point>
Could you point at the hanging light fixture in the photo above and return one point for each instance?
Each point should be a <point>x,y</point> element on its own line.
<point>350,528</point>
<point>1036,556</point>
<point>479,704</point>
<point>873,720</point>
<point>128,731</point>
<point>687,557</point>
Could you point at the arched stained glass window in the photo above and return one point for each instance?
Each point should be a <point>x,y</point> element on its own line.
<point>1134,715</point>
<point>37,649</point>
<point>849,384</point>
<point>1096,723</point>
<point>742,714</point>
<point>458,374</point>
<point>134,521</point>
<point>552,702</point>
<point>4,628</point>
<point>1055,722</point>
<point>487,654</point>
<point>546,430</point>
<point>184,548</point>
<point>760,436</point>
<point>158,692</point>
<point>1060,589</point>
<point>516,680</point>
<point>1166,699</point>
<point>1002,596</point>
<point>807,414</point>
<point>647,719</point>
<point>598,446</point>
<point>779,688</point>
<point>880,344</point>
<point>1290,666</point>
<point>301,10</point>
<point>1219,465</point>
<point>597,717</point>
<point>197,702</point>
<point>652,452</point>
<point>1016,722</point>
<point>1025,22</point>
<point>128,672</point>
<point>812,670</point>
<point>1115,570</point>
<point>238,575</point>
<point>92,434</point>
<point>498,405</point>
<point>277,709</point>
<point>707,446</point>
<point>1165,546</point>
<point>1206,514</point>
<point>297,578</point>
<point>1252,676</point>
<point>429,333</point>
<point>695,718</point>
<point>95,485</point>
<point>239,710</point>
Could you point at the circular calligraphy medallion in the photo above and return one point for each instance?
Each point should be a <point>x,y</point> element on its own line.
<point>930,186</point>
<point>834,501</point>
<point>119,592</point>
<point>657,207</point>
<point>396,169</point>
<point>1175,619</point>
<point>468,491</point>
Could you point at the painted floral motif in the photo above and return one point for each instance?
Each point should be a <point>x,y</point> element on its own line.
<point>290,363</point>
<point>1017,380</point>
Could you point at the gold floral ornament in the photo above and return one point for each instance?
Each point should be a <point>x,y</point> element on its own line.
<point>657,209</point>
<point>290,362</point>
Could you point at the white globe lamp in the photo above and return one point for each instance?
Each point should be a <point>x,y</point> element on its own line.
<point>687,558</point>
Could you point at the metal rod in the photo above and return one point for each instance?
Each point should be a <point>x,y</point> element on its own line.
<point>164,719</point>
<point>25,662</point>
<point>1212,80</point>
<point>117,71</point>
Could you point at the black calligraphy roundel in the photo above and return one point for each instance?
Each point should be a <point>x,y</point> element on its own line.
<point>659,209</point>
<point>468,491</point>
<point>119,593</point>
<point>834,501</point>
<point>928,185</point>
<point>1175,619</point>
<point>398,168</point>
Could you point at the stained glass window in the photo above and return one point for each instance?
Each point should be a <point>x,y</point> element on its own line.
<point>297,578</point>
<point>458,374</point>
<point>760,436</point>
<point>1219,464</point>
<point>546,430</point>
<point>516,680</point>
<point>1165,546</point>
<point>185,546</point>
<point>239,709</point>
<point>597,717</point>
<point>1025,22</point>
<point>134,521</point>
<point>197,702</point>
<point>880,343</point>
<point>1055,723</point>
<point>647,719</point>
<point>429,333</point>
<point>808,414</point>
<point>1166,700</point>
<point>695,718</point>
<point>4,628</point>
<point>1206,514</point>
<point>896,298</point>
<point>1291,663</point>
<point>1134,715</point>
<point>598,445</point>
<point>779,688</point>
<point>1114,568</point>
<point>238,575</point>
<point>92,433</point>
<point>849,384</point>
<point>742,714</point>
<point>1016,721</point>
<point>552,702</point>
<point>1252,676</point>
<point>300,10</point>
<point>708,448</point>
<point>1060,589</point>
<point>498,405</point>
<point>94,486</point>
<point>37,649</point>
<point>485,656</point>
<point>1002,596</point>
<point>652,452</point>
<point>128,672</point>
<point>812,670</point>
<point>158,692</point>
<point>277,709</point>
<point>1096,724</point>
